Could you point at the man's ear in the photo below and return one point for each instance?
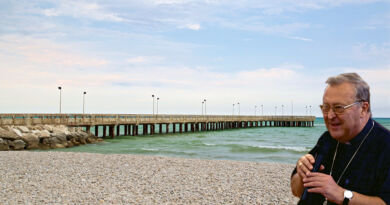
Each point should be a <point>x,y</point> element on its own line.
<point>365,106</point>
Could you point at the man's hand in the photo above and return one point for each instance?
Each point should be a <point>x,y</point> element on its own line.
<point>325,185</point>
<point>305,165</point>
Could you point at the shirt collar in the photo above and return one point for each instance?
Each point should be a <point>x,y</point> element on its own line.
<point>362,134</point>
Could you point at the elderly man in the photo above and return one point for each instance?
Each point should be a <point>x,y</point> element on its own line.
<point>355,168</point>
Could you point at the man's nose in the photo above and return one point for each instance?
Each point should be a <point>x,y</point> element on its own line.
<point>331,114</point>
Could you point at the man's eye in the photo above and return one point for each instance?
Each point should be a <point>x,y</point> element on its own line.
<point>338,107</point>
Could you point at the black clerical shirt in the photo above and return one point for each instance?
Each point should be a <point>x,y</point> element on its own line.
<point>369,171</point>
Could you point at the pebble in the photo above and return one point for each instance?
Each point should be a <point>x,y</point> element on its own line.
<point>28,177</point>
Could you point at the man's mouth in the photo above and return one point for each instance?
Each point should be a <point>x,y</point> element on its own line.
<point>335,125</point>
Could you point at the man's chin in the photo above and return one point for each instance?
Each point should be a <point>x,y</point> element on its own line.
<point>335,134</point>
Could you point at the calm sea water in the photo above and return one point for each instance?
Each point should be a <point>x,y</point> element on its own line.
<point>271,144</point>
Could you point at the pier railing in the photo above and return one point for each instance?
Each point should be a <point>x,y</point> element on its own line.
<point>118,119</point>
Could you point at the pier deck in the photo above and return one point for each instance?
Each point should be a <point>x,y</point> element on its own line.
<point>135,124</point>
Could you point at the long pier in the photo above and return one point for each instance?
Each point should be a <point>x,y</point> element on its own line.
<point>143,124</point>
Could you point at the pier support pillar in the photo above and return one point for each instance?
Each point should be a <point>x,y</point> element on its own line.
<point>144,127</point>
<point>118,130</point>
<point>97,130</point>
<point>88,129</point>
<point>135,130</point>
<point>104,131</point>
<point>111,131</point>
<point>167,128</point>
<point>152,129</point>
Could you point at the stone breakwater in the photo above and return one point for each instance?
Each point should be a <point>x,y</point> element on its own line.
<point>43,137</point>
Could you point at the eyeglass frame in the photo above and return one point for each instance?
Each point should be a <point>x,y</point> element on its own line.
<point>339,106</point>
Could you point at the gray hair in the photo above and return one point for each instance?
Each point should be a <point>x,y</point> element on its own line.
<point>361,87</point>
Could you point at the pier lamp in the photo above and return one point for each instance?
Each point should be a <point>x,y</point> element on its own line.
<point>157,105</point>
<point>205,106</point>
<point>306,109</point>
<point>84,93</point>
<point>153,103</point>
<point>292,108</point>
<point>282,109</point>
<point>239,108</point>
<point>60,88</point>
<point>202,106</point>
<point>233,109</point>
<point>310,110</point>
<point>262,110</point>
<point>255,109</point>
<point>276,107</point>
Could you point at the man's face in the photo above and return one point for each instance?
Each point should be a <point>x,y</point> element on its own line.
<point>342,127</point>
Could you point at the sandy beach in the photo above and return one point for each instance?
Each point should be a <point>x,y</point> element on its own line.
<point>86,178</point>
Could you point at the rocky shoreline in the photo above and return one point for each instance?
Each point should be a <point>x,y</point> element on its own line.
<point>43,137</point>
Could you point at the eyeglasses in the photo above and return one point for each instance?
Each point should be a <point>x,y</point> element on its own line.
<point>337,109</point>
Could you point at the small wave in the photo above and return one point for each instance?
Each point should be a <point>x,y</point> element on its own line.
<point>297,149</point>
<point>266,148</point>
<point>201,136</point>
<point>208,144</point>
<point>149,149</point>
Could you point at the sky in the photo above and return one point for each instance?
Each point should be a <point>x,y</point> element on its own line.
<point>269,56</point>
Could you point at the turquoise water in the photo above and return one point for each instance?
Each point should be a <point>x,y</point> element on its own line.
<point>271,144</point>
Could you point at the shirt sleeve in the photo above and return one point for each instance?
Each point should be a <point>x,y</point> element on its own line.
<point>385,191</point>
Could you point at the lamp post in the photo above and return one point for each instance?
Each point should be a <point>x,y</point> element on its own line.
<point>233,109</point>
<point>255,109</point>
<point>239,108</point>
<point>310,110</point>
<point>157,105</point>
<point>276,107</point>
<point>84,93</point>
<point>202,106</point>
<point>205,112</point>
<point>292,108</point>
<point>60,88</point>
<point>153,103</point>
<point>306,109</point>
<point>282,109</point>
<point>262,110</point>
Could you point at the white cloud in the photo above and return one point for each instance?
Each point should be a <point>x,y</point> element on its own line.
<point>301,38</point>
<point>145,59</point>
<point>194,27</point>
<point>373,52</point>
<point>44,52</point>
<point>158,2</point>
<point>79,9</point>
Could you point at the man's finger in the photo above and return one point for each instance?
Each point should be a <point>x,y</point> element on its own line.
<point>310,158</point>
<point>315,190</point>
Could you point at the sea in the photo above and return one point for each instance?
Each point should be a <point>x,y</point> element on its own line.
<point>262,144</point>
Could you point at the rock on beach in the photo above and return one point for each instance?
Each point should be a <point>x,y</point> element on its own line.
<point>84,178</point>
<point>43,137</point>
